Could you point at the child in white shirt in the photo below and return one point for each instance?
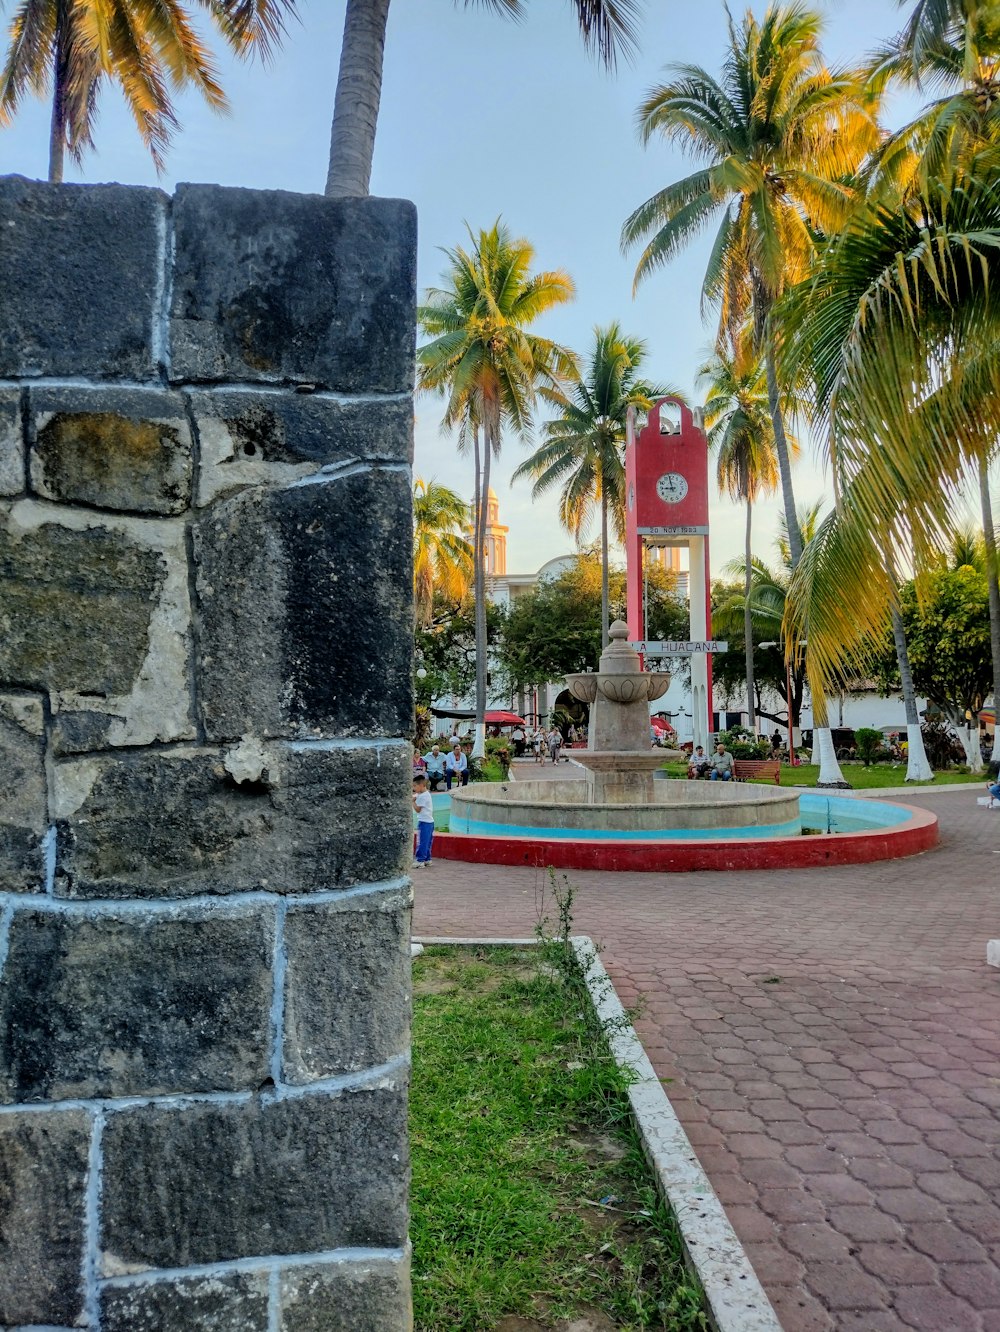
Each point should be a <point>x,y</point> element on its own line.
<point>424,807</point>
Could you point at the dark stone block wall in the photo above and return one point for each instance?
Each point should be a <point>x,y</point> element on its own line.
<point>205,635</point>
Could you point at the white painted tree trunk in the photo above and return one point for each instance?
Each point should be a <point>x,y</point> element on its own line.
<point>969,736</point>
<point>479,743</point>
<point>917,767</point>
<point>829,766</point>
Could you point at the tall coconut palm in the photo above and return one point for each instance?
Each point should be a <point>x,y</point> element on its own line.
<point>584,445</point>
<point>490,368</point>
<point>149,48</point>
<point>777,137</point>
<point>740,430</point>
<point>606,26</point>
<point>442,558</point>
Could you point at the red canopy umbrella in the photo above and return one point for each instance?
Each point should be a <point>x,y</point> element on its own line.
<point>502,718</point>
<point>658,724</point>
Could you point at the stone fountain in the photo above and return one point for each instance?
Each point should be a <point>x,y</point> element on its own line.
<point>619,761</point>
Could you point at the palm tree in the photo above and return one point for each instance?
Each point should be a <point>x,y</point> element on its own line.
<point>442,558</point>
<point>778,135</point>
<point>148,47</point>
<point>584,445</point>
<point>739,426</point>
<point>482,358</point>
<point>605,25</point>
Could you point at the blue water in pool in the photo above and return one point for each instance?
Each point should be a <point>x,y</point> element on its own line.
<point>817,812</point>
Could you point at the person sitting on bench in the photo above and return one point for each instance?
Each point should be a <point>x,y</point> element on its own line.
<point>434,768</point>
<point>699,764</point>
<point>722,765</point>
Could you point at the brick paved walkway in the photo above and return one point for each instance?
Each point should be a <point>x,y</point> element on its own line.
<point>832,1043</point>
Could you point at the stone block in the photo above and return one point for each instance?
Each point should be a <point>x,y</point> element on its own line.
<point>273,438</point>
<point>94,610</point>
<point>347,985</point>
<point>23,796</point>
<point>216,1182</point>
<point>371,1296</point>
<point>293,288</point>
<point>11,443</point>
<point>236,1303</point>
<point>43,1176</point>
<point>123,449</point>
<point>304,601</point>
<point>80,271</point>
<point>135,1006</point>
<point>175,823</point>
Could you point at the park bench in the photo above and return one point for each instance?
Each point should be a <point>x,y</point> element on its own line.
<point>757,770</point>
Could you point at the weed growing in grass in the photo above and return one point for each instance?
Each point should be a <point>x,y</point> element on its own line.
<point>530,1195</point>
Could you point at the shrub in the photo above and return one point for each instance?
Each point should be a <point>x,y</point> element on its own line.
<point>868,743</point>
<point>743,744</point>
<point>941,747</point>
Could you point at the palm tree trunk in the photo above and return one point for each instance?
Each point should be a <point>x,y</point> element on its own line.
<point>989,541</point>
<point>823,747</point>
<point>482,645</point>
<point>605,592</point>
<point>917,767</point>
<point>784,461</point>
<point>57,123</point>
<point>748,624</point>
<point>359,91</point>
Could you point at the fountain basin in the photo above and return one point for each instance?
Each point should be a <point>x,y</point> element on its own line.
<point>554,809</point>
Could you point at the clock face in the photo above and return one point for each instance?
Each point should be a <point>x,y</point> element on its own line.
<point>671,487</point>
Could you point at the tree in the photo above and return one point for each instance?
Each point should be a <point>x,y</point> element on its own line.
<point>491,369</point>
<point>442,558</point>
<point>740,430</point>
<point>584,445</point>
<point>778,136</point>
<point>555,629</point>
<point>606,27</point>
<point>948,633</point>
<point>769,673</point>
<point>445,649</point>
<point>149,48</point>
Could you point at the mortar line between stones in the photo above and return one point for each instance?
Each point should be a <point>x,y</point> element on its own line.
<point>364,1080</point>
<point>268,1263</point>
<point>159,334</point>
<point>92,1224</point>
<point>192,580</point>
<point>274,1301</point>
<point>199,904</point>
<point>24,410</point>
<point>339,471</point>
<point>222,387</point>
<point>279,969</point>
<point>186,746</point>
<point>6,916</point>
<point>49,854</point>
<point>340,742</point>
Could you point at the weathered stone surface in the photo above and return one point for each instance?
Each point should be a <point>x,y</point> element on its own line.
<point>175,823</point>
<point>347,985</point>
<point>95,609</point>
<point>23,797</point>
<point>236,1303</point>
<point>80,268</point>
<point>11,443</point>
<point>269,286</point>
<point>273,437</point>
<point>305,608</point>
<point>346,1297</point>
<point>124,449</point>
<point>132,1006</point>
<point>216,1182</point>
<point>43,1173</point>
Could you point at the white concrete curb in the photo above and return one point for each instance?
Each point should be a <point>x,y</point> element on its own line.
<point>734,1295</point>
<point>993,952</point>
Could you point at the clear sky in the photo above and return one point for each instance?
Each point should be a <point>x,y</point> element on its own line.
<point>483,118</point>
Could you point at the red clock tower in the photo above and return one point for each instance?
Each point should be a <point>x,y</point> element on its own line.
<point>666,479</point>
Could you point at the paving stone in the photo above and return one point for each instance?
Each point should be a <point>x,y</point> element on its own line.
<point>121,1006</point>
<point>931,1309</point>
<point>43,1176</point>
<point>345,1297</point>
<point>945,1242</point>
<point>276,287</point>
<point>815,1240</point>
<point>845,1285</point>
<point>236,1303</point>
<point>217,1182</point>
<point>950,1188</point>
<point>80,266</point>
<point>896,1263</point>
<point>788,1205</point>
<point>979,1283</point>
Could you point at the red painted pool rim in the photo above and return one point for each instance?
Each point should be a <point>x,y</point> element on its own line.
<point>917,834</point>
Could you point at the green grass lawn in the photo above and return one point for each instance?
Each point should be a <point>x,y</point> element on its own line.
<point>860,777</point>
<point>530,1194</point>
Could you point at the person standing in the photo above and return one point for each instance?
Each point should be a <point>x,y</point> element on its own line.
<point>456,767</point>
<point>555,743</point>
<point>517,735</point>
<point>423,806</point>
<point>538,744</point>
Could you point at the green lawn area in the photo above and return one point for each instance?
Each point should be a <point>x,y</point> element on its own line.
<point>860,777</point>
<point>530,1194</point>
